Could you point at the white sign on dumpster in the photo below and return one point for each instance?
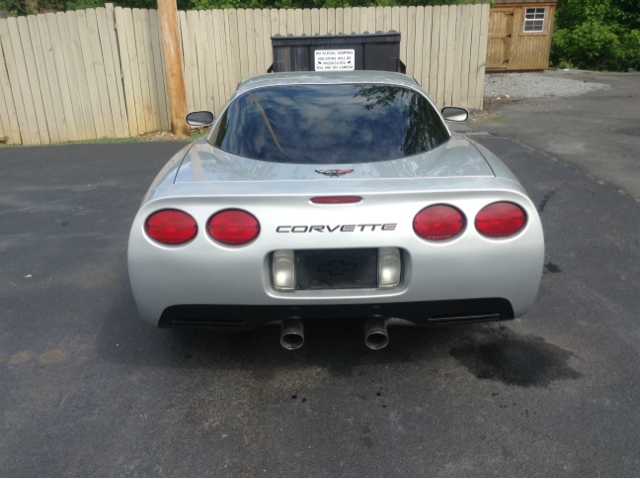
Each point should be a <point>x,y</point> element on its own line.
<point>335,60</point>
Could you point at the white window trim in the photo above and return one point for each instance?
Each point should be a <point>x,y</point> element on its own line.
<point>544,20</point>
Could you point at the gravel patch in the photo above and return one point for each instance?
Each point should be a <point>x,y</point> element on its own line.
<point>535,85</point>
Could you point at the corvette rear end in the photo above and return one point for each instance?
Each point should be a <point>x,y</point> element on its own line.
<point>231,241</point>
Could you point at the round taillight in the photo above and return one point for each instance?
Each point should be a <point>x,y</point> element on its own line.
<point>233,227</point>
<point>171,227</point>
<point>438,222</point>
<point>499,220</point>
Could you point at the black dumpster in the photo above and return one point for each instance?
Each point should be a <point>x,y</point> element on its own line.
<point>369,51</point>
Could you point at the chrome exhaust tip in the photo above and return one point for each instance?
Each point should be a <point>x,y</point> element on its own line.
<point>291,334</point>
<point>375,333</point>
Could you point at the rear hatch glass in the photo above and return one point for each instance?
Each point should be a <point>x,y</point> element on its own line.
<point>329,124</point>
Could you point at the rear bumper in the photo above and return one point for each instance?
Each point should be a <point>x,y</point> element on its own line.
<point>421,313</point>
<point>466,269</point>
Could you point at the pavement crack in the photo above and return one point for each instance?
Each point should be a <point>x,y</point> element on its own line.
<point>34,206</point>
<point>545,200</point>
<point>571,166</point>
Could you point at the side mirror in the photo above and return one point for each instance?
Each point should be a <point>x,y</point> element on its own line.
<point>200,118</point>
<point>453,113</point>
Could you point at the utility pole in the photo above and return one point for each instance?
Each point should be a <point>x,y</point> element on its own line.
<point>168,22</point>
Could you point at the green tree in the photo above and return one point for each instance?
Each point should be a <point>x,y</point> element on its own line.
<point>597,34</point>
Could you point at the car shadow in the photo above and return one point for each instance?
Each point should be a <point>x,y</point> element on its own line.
<point>490,351</point>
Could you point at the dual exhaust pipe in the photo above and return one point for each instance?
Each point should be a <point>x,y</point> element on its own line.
<point>375,333</point>
<point>291,334</point>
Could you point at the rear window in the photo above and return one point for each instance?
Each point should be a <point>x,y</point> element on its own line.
<point>329,124</point>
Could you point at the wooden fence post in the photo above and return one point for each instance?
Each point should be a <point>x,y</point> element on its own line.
<point>168,23</point>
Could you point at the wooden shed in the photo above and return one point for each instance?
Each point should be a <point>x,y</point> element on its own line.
<point>520,35</point>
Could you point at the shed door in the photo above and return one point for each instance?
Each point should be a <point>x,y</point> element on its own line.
<point>500,31</point>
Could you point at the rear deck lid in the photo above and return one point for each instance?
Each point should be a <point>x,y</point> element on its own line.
<point>454,158</point>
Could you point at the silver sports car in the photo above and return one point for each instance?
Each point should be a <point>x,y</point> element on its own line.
<point>333,195</point>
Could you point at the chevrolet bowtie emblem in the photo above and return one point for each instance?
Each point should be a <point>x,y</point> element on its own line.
<point>337,268</point>
<point>336,173</point>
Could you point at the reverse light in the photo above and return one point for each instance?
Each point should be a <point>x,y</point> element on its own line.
<point>233,227</point>
<point>389,267</point>
<point>499,220</point>
<point>438,222</point>
<point>283,270</point>
<point>171,227</point>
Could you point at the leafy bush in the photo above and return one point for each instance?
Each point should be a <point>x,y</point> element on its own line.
<point>597,34</point>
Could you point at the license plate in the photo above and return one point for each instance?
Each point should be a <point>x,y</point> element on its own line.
<point>336,268</point>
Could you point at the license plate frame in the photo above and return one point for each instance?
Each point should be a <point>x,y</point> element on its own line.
<point>336,269</point>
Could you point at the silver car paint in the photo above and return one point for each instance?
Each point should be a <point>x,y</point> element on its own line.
<point>202,180</point>
<point>457,157</point>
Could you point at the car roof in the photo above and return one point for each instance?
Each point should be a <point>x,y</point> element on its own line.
<point>300,78</point>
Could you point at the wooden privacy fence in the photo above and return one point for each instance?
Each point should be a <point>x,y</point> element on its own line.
<point>98,73</point>
<point>60,78</point>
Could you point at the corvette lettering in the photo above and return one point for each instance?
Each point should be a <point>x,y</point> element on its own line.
<point>337,228</point>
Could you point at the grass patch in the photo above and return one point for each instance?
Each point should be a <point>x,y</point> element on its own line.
<point>487,117</point>
<point>154,136</point>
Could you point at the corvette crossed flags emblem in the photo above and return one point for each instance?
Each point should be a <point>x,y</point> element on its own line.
<point>331,173</point>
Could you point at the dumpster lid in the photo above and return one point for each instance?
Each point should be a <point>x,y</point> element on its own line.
<point>339,39</point>
<point>329,77</point>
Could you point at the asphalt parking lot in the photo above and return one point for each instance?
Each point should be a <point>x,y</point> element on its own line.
<point>596,132</point>
<point>87,389</point>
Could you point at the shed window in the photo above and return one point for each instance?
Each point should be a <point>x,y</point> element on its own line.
<point>534,20</point>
